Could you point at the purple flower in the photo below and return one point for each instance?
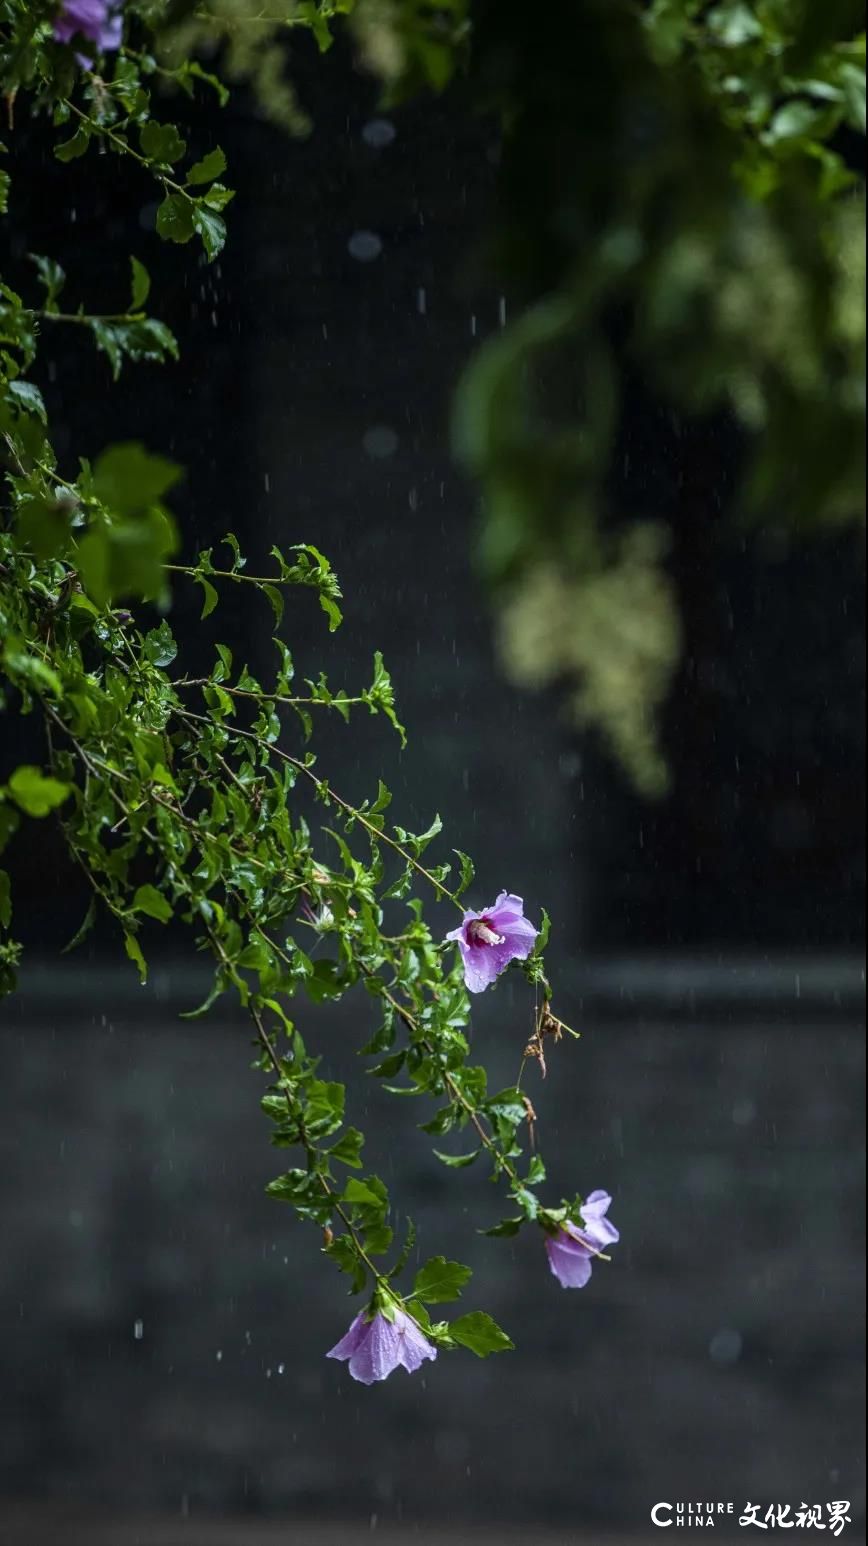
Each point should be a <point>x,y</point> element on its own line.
<point>98,20</point>
<point>373,1348</point>
<point>598,1229</point>
<point>572,1250</point>
<point>489,940</point>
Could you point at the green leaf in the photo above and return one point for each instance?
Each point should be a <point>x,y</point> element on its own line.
<point>381,696</point>
<point>34,793</point>
<point>507,1104</point>
<point>133,950</point>
<point>44,525</point>
<point>505,1227</point>
<point>190,69</point>
<point>853,85</point>
<point>332,612</point>
<point>382,1039</point>
<point>152,902</point>
<point>344,1253</point>
<point>175,219</point>
<point>28,396</point>
<point>440,1280</point>
<point>795,120</point>
<point>238,560</point>
<point>405,1252</point>
<point>390,1065</point>
<point>76,146</point>
<point>51,276</point>
<point>83,929</point>
<point>140,285</point>
<point>217,988</point>
<point>130,479</point>
<point>159,645</point>
<point>478,1332</point>
<point>140,338</point>
<point>275,598</point>
<point>210,596</point>
<point>29,669</point>
<point>348,1148</point>
<point>208,168</point>
<point>299,1187</point>
<point>734,23</point>
<point>126,557</point>
<point>467,871</point>
<point>527,1201</point>
<point>161,142</point>
<point>378,1239</point>
<point>359,1193</point>
<point>458,1161</point>
<point>324,1107</point>
<point>211,227</point>
<point>218,197</point>
<point>161,775</point>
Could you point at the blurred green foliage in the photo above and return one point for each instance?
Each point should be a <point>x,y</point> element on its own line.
<point>679,207</point>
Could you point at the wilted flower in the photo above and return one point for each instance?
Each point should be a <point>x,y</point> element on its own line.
<point>571,1250</point>
<point>98,20</point>
<point>373,1348</point>
<point>489,940</point>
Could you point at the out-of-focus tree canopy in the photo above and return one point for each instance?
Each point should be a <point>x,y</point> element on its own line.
<point>679,211</point>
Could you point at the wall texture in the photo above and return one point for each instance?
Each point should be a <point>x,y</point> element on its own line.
<point>163,1323</point>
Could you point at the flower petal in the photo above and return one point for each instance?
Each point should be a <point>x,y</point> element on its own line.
<point>378,1353</point>
<point>99,20</point>
<point>519,933</point>
<point>595,1205</point>
<point>597,1227</point>
<point>507,917</point>
<point>415,1347</point>
<point>602,1232</point>
<point>569,1260</point>
<point>482,965</point>
<point>350,1341</point>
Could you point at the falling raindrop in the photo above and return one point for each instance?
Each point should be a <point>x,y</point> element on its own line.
<point>365,246</point>
<point>138,1330</point>
<point>380,441</point>
<point>378,133</point>
<point>725,1346</point>
<point>743,1112</point>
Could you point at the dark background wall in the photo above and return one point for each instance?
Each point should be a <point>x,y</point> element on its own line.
<point>161,1322</point>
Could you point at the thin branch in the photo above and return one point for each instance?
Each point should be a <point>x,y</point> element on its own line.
<point>329,794</point>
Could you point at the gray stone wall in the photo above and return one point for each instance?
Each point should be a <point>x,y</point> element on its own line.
<point>162,1323</point>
